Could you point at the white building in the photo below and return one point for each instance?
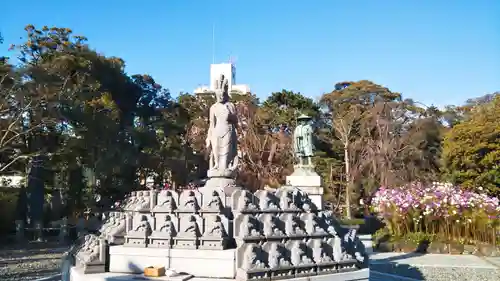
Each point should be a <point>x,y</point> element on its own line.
<point>229,71</point>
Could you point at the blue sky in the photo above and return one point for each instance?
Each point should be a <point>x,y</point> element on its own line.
<point>437,52</point>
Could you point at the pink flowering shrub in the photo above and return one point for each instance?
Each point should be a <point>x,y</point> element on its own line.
<point>443,211</point>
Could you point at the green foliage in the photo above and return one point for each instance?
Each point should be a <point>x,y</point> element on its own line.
<point>352,221</point>
<point>8,203</point>
<point>101,131</point>
<point>471,149</point>
<point>282,109</point>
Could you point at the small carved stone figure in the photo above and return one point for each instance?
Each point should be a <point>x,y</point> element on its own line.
<point>276,258</point>
<point>167,227</point>
<point>143,225</point>
<point>217,228</point>
<point>168,201</point>
<point>89,251</point>
<point>337,249</point>
<point>251,260</point>
<point>246,203</point>
<point>108,223</point>
<point>131,200</point>
<point>191,202</point>
<point>215,203</point>
<point>319,254</point>
<point>192,229</point>
<point>292,227</point>
<point>287,202</point>
<point>299,256</point>
<point>249,228</point>
<point>271,228</point>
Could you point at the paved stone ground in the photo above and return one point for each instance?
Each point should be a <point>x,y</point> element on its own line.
<point>30,261</point>
<point>437,267</point>
<point>37,260</point>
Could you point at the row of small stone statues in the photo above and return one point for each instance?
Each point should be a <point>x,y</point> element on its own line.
<point>158,227</point>
<point>165,230</point>
<point>193,201</point>
<point>297,258</point>
<point>271,226</point>
<point>90,253</point>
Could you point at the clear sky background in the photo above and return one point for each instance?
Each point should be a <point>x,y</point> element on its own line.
<point>434,51</point>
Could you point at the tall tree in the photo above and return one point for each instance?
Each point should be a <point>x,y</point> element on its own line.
<point>347,107</point>
<point>471,149</point>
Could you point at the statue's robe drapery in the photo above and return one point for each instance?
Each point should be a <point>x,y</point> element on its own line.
<point>303,141</point>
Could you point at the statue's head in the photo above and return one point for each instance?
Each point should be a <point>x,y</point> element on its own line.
<point>221,89</point>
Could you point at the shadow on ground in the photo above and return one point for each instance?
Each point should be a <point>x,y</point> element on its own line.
<point>391,266</point>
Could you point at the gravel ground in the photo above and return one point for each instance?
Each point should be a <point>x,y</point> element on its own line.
<point>30,261</point>
<point>439,273</point>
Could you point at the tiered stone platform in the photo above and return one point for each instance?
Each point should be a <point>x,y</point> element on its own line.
<point>207,234</point>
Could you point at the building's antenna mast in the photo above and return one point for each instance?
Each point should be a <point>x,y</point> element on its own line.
<point>213,43</point>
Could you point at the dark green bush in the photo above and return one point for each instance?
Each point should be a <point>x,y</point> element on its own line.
<point>8,209</point>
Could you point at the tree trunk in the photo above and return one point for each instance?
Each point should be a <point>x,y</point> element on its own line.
<point>348,181</point>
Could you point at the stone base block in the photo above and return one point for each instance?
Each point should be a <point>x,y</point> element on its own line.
<point>75,275</point>
<point>202,263</point>
<point>226,184</point>
<point>307,180</point>
<point>367,242</point>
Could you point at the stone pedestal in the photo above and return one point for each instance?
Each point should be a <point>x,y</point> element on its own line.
<point>306,179</point>
<point>221,180</point>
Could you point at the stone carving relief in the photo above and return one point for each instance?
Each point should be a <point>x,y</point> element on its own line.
<point>166,201</point>
<point>278,234</point>
<point>247,228</point>
<point>293,226</point>
<point>213,201</point>
<point>129,201</point>
<point>338,253</point>
<point>140,231</point>
<point>190,201</point>
<point>313,226</point>
<point>268,202</point>
<point>301,258</point>
<point>142,203</point>
<point>215,235</point>
<point>190,229</point>
<point>215,226</point>
<point>90,257</point>
<point>243,201</point>
<point>303,201</point>
<point>166,226</point>
<point>250,262</point>
<point>322,255</point>
<point>329,223</point>
<point>115,228</point>
<point>288,201</point>
<point>353,245</point>
<point>278,260</point>
<point>272,226</point>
